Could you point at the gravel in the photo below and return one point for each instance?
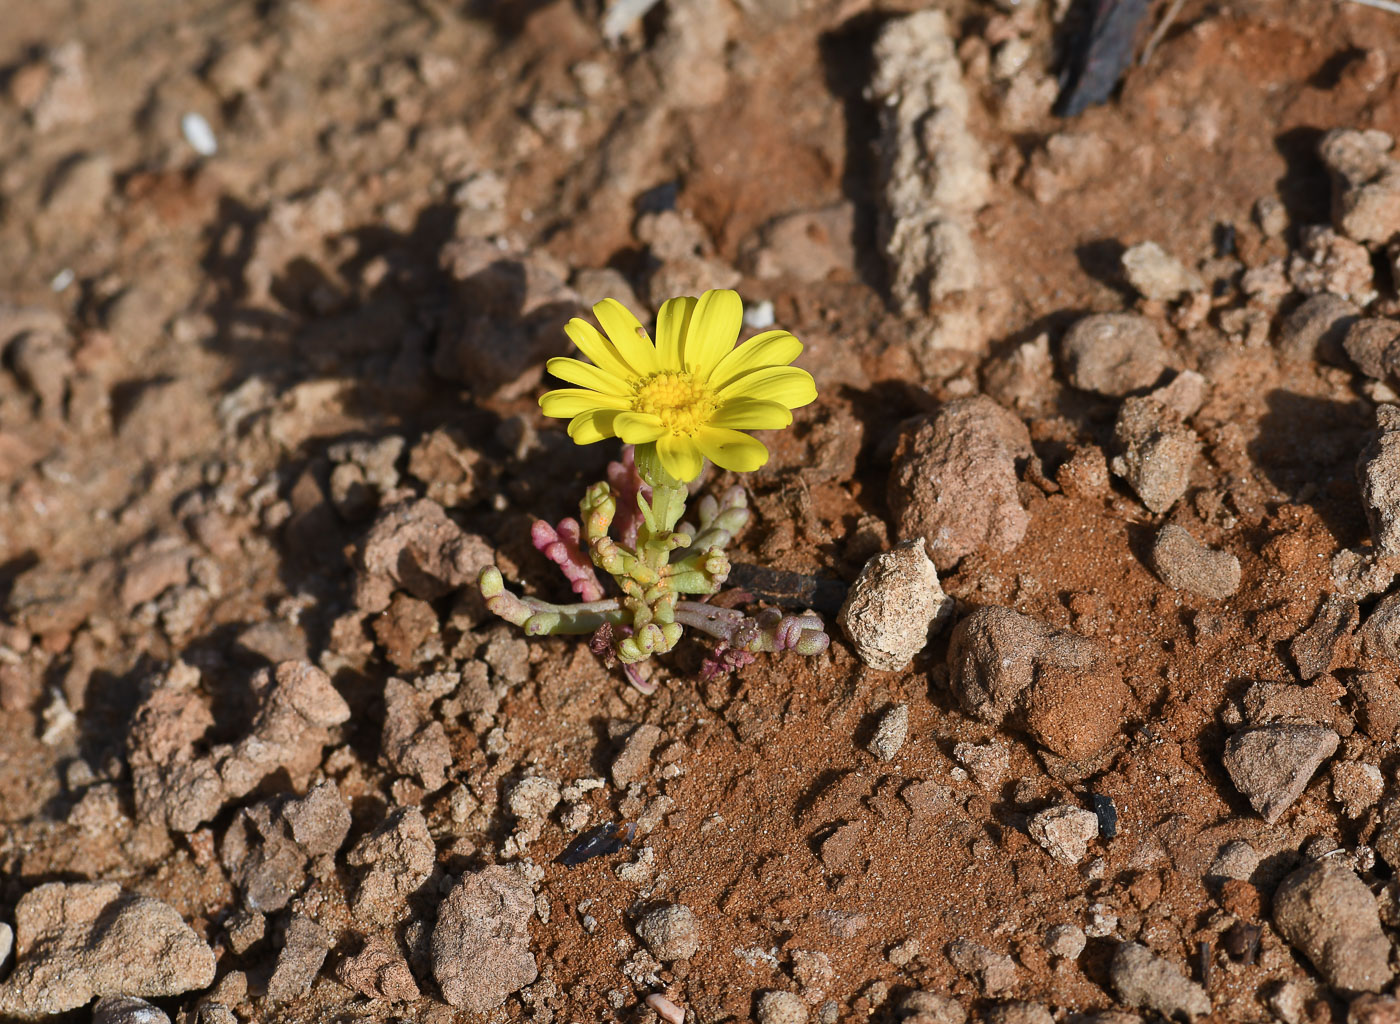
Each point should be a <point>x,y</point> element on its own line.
<point>1329,915</point>
<point>780,1008</point>
<point>1143,979</point>
<point>1065,832</point>
<point>1271,765</point>
<point>1156,452</point>
<point>1113,354</point>
<point>953,482</point>
<point>1184,563</point>
<point>671,932</point>
<point>303,951</point>
<point>85,940</point>
<point>890,733</point>
<point>893,607</point>
<point>481,943</point>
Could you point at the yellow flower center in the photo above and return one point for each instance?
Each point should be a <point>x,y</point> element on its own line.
<point>683,404</point>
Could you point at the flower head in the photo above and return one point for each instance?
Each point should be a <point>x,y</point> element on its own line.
<point>692,392</point>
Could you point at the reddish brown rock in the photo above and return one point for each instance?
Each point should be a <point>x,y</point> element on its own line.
<point>954,480</point>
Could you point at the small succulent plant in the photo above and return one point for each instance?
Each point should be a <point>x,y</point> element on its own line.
<point>674,403</point>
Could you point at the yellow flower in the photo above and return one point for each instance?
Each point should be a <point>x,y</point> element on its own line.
<point>691,392</point>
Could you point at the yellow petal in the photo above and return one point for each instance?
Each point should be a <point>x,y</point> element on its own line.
<point>586,375</point>
<point>628,335</point>
<point>566,403</point>
<point>638,427</point>
<point>592,344</point>
<point>672,324</point>
<point>786,385</point>
<point>593,425</point>
<point>714,327</point>
<point>771,348</point>
<point>730,449</point>
<point>680,456</point>
<point>751,414</point>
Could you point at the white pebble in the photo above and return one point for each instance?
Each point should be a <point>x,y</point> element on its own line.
<point>199,135</point>
<point>63,279</point>
<point>759,316</point>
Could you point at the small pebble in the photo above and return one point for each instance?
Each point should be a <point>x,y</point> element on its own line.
<point>759,315</point>
<point>890,733</point>
<point>781,1008</point>
<point>198,134</point>
<point>1065,940</point>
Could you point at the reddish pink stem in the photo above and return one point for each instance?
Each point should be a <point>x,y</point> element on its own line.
<point>562,547</point>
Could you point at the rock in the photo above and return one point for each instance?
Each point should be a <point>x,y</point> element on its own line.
<point>996,972</point>
<point>807,245</point>
<point>127,1010</point>
<point>934,172</point>
<point>1316,330</point>
<point>303,951</point>
<point>1356,786</point>
<point>1372,1009</point>
<point>1315,649</point>
<point>7,945</point>
<point>268,846</point>
<point>1271,765</point>
<point>1373,344</point>
<point>400,855</point>
<point>1145,980</point>
<point>689,54</point>
<point>1329,915</point>
<point>445,463</point>
<point>1156,452</point>
<point>379,971</point>
<point>813,973</point>
<point>987,763</point>
<point>894,605</point>
<point>1184,563</point>
<point>634,759</point>
<point>1063,689</point>
<point>1378,471</point>
<point>1327,263</point>
<point>1377,700</point>
<point>43,363</point>
<point>65,98</point>
<point>175,787</point>
<point>780,1008</point>
<point>78,194</point>
<point>890,733</point>
<point>931,1008</point>
<point>414,546</point>
<point>1185,393</point>
<point>1084,474</point>
<point>1113,354</point>
<point>1365,183</point>
<point>84,940</point>
<point>1065,940</point>
<point>953,483</point>
<point>1019,1013</point>
<point>1156,275</point>
<point>1022,378</point>
<point>532,799</point>
<point>1380,634</point>
<point>481,942</point>
<point>245,928</point>
<point>1065,832</point>
<point>1235,860</point>
<point>413,740</point>
<point>670,931</point>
